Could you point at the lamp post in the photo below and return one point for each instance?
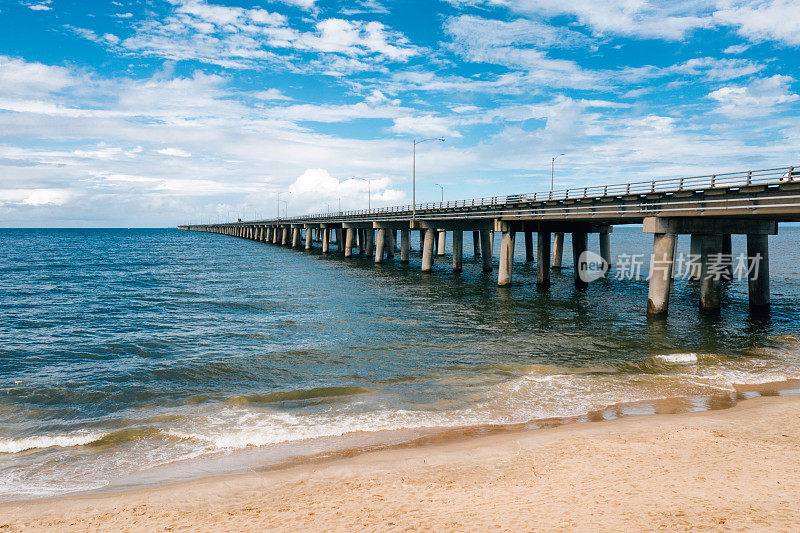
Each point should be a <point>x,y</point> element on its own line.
<point>414,175</point>
<point>285,208</point>
<point>369,192</point>
<point>442,188</point>
<point>553,170</point>
<point>279,202</point>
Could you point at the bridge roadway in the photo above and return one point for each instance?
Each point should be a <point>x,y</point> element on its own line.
<point>708,208</point>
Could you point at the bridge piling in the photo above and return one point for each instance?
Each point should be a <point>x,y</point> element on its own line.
<point>476,244</point>
<point>528,246</point>
<point>380,244</point>
<point>441,243</point>
<point>348,242</point>
<point>405,245</point>
<point>427,250</point>
<point>506,257</point>
<point>579,245</point>
<point>758,281</point>
<point>709,281</point>
<point>543,259</point>
<point>486,250</point>
<point>309,237</point>
<point>391,243</point>
<point>558,249</point>
<point>605,247</point>
<point>663,259</point>
<point>458,250</point>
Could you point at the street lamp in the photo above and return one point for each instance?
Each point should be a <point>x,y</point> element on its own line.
<point>369,192</point>
<point>442,188</point>
<point>553,169</point>
<point>285,209</point>
<point>279,202</point>
<point>414,175</point>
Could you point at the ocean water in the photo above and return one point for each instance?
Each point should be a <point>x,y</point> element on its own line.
<point>138,356</point>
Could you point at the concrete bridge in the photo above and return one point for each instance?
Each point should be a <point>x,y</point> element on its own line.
<point>708,208</point>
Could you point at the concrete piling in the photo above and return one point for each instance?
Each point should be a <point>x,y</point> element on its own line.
<point>476,244</point>
<point>709,281</point>
<point>458,250</point>
<point>579,245</point>
<point>558,249</point>
<point>661,274</point>
<point>348,242</point>
<point>758,277</point>
<point>380,244</point>
<point>543,259</point>
<point>528,246</point>
<point>441,242</point>
<point>427,250</point>
<point>405,245</point>
<point>605,247</point>
<point>506,258</point>
<point>391,243</point>
<point>486,250</point>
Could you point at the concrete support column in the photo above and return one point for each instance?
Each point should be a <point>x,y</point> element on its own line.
<point>427,250</point>
<point>339,240</point>
<point>391,243</point>
<point>476,244</point>
<point>360,235</point>
<point>309,237</point>
<point>275,230</point>
<point>421,240</point>
<point>506,258</point>
<point>661,273</point>
<point>579,245</point>
<point>605,246</point>
<point>486,250</point>
<point>491,243</point>
<point>543,259</point>
<point>348,242</point>
<point>326,233</point>
<point>405,245</point>
<point>558,249</point>
<point>758,278</point>
<point>380,244</point>
<point>394,239</point>
<point>727,251</point>
<point>458,250</point>
<point>295,237</point>
<point>528,246</point>
<point>285,236</point>
<point>441,243</point>
<point>709,285</point>
<point>369,236</point>
<point>695,251</point>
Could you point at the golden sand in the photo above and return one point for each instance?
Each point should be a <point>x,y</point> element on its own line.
<point>733,469</point>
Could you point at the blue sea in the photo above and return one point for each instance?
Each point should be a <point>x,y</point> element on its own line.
<point>139,356</point>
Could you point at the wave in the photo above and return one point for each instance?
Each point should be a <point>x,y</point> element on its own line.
<point>48,441</point>
<point>297,395</point>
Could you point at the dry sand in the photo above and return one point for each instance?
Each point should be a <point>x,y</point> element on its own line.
<point>735,469</point>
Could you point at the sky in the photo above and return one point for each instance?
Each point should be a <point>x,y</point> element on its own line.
<point>158,112</point>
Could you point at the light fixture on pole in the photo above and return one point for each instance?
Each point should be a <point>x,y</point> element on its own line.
<point>553,169</point>
<point>442,188</point>
<point>369,191</point>
<point>414,175</point>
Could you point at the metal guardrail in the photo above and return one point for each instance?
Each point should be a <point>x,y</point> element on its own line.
<point>642,188</point>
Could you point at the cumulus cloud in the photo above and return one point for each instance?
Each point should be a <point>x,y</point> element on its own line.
<point>174,152</point>
<point>317,191</point>
<point>762,20</point>
<point>759,98</point>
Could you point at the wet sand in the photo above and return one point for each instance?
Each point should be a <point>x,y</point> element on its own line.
<point>731,469</point>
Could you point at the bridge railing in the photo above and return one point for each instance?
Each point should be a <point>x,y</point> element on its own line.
<point>689,183</point>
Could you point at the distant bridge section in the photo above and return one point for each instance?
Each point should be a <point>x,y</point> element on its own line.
<point>709,208</point>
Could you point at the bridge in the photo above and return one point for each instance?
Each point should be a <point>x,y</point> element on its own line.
<point>708,208</point>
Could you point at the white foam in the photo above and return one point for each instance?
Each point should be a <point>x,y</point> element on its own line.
<point>677,358</point>
<point>47,441</point>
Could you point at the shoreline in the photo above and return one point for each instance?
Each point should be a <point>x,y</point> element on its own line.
<point>522,463</point>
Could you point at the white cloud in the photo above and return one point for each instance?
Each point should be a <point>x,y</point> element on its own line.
<point>427,125</point>
<point>762,20</point>
<point>269,94</point>
<point>174,152</point>
<point>759,98</point>
<point>35,197</point>
<point>23,78</point>
<point>736,49</point>
<point>315,190</point>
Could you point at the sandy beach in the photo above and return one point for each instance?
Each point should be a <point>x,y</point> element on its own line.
<point>731,469</point>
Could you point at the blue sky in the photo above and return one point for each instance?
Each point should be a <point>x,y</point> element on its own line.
<point>155,112</point>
